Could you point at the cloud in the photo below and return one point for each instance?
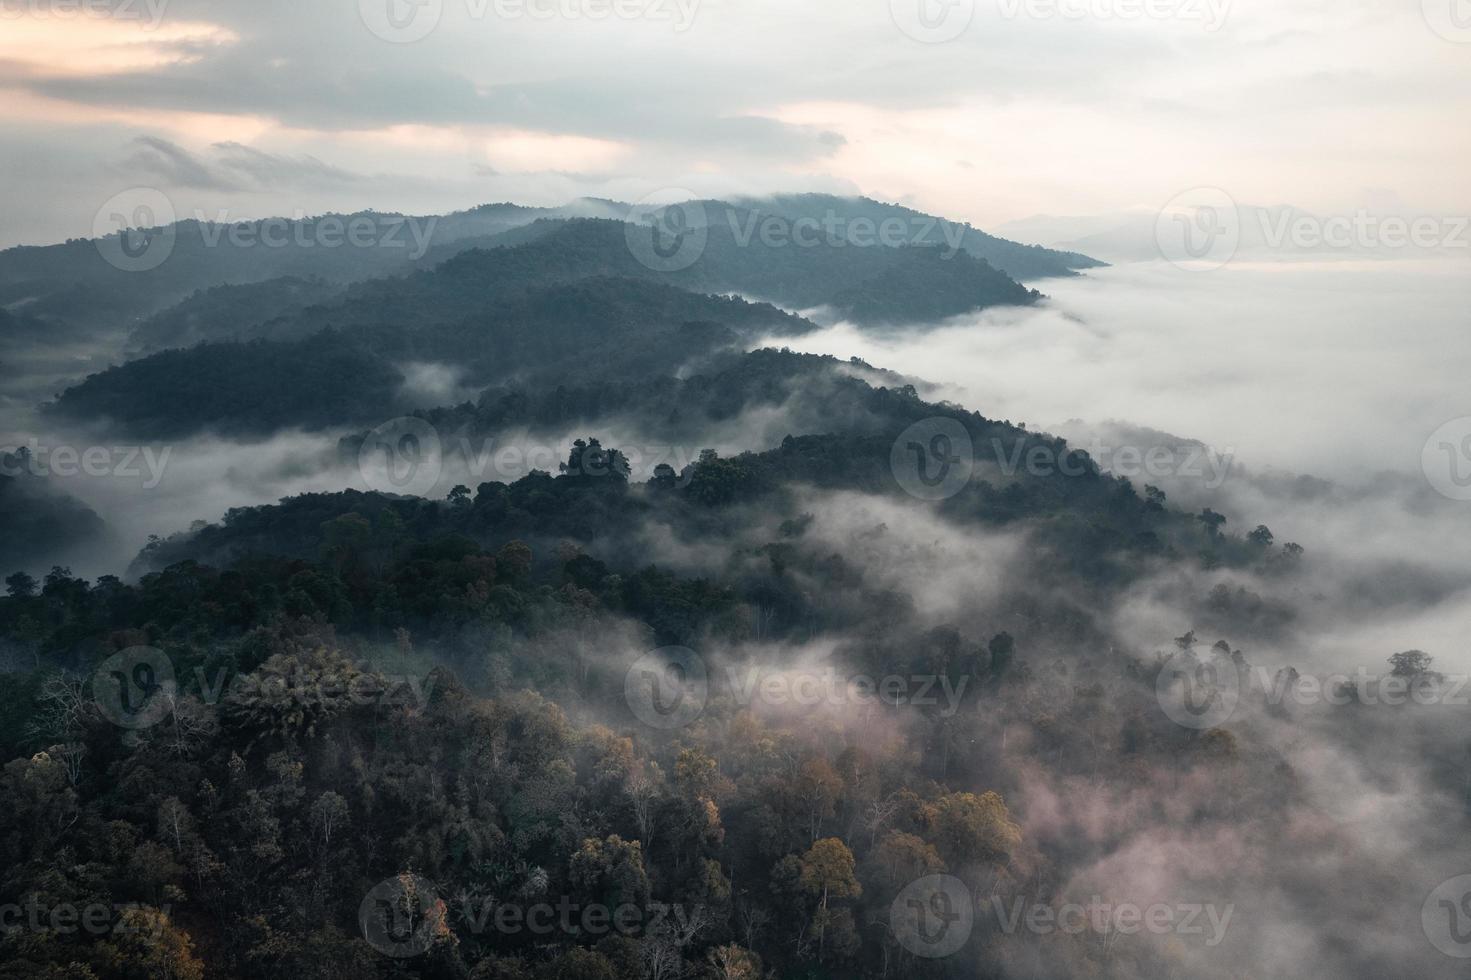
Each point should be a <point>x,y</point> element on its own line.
<point>273,170</point>
<point>233,167</point>
<point>157,157</point>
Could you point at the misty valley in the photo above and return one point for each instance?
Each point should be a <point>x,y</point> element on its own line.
<point>583,595</point>
<point>743,490</point>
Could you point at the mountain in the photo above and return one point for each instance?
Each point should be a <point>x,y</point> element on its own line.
<point>919,282</point>
<point>568,289</point>
<point>1021,262</point>
<point>1095,525</point>
<point>39,524</point>
<point>229,312</point>
<point>348,367</point>
<point>71,284</point>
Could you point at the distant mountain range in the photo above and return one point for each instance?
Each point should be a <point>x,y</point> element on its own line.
<point>512,293</point>
<point>322,324</point>
<point>71,285</point>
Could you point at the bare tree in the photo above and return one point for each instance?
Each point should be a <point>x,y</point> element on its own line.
<point>62,705</point>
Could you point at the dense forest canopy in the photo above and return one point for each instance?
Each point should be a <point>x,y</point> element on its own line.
<point>619,640</point>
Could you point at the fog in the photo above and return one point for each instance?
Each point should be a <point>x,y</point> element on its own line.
<point>1296,395</point>
<point>1323,863</point>
<point>1335,369</point>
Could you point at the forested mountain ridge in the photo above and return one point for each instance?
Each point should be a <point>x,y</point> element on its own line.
<point>430,694</point>
<point>1020,262</point>
<point>348,732</point>
<point>569,290</point>
<point>73,287</point>
<point>1101,528</point>
<point>350,371</point>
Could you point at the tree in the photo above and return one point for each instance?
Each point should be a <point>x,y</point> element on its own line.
<point>1212,522</point>
<point>329,815</point>
<point>970,827</point>
<point>1412,664</point>
<point>1002,649</point>
<point>148,946</point>
<point>611,872</point>
<point>1262,536</point>
<point>20,585</point>
<point>513,561</point>
<point>590,459</point>
<point>901,858</point>
<point>733,962</point>
<point>827,870</point>
<point>175,824</point>
<point>580,964</point>
<point>818,787</point>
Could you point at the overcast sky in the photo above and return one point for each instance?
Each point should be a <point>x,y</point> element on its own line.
<point>983,110</point>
